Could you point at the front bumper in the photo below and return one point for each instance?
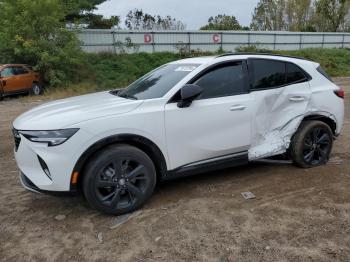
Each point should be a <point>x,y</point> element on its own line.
<point>27,184</point>
<point>35,159</point>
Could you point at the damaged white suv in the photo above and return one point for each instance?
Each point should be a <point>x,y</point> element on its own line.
<point>184,117</point>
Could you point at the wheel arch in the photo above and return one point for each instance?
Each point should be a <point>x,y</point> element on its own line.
<point>325,119</point>
<point>140,142</point>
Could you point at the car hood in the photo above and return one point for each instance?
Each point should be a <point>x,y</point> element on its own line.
<point>66,112</point>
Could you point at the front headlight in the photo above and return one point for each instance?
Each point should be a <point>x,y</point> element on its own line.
<point>51,137</point>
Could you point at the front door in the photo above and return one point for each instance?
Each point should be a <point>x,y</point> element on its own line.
<point>217,124</point>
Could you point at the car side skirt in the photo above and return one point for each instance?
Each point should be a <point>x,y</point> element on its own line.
<point>207,165</point>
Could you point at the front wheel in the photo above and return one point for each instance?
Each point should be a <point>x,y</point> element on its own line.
<point>312,144</point>
<point>119,179</point>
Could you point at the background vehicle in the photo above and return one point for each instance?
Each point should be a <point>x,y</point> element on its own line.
<point>185,117</point>
<point>18,79</point>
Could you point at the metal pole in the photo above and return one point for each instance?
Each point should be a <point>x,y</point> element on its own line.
<point>221,44</point>
<point>153,43</point>
<point>274,41</point>
<point>322,40</point>
<point>300,42</point>
<point>189,41</point>
<point>114,42</point>
<point>342,44</point>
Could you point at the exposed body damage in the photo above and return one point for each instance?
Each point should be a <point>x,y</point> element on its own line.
<point>277,141</point>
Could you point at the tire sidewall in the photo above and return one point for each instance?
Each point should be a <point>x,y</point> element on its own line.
<point>298,140</point>
<point>99,161</point>
<point>36,89</point>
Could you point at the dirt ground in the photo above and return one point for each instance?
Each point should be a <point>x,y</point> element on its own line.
<point>297,215</point>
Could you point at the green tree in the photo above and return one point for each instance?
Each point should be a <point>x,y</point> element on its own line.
<point>75,10</point>
<point>32,32</point>
<point>332,15</point>
<point>138,20</point>
<point>94,21</point>
<point>298,15</point>
<point>269,15</point>
<point>223,22</point>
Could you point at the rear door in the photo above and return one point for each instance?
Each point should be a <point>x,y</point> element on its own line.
<point>24,77</point>
<point>281,93</point>
<point>215,125</point>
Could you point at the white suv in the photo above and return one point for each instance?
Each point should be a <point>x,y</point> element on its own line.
<point>184,117</point>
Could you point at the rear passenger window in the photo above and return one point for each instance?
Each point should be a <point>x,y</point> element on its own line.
<point>224,80</point>
<point>267,73</point>
<point>294,74</point>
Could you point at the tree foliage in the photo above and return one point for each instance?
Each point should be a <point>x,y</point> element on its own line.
<point>32,32</point>
<point>94,21</point>
<point>223,22</point>
<point>332,15</point>
<point>138,20</point>
<point>269,15</point>
<point>302,15</point>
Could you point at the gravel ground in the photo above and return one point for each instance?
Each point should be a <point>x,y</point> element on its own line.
<point>297,215</point>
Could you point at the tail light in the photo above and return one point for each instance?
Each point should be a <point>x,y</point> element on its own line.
<point>340,93</point>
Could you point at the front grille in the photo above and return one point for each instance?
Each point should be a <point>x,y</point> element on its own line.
<point>17,138</point>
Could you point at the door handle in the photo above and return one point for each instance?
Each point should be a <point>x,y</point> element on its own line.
<point>297,98</point>
<point>237,108</point>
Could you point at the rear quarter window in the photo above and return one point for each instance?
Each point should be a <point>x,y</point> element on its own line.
<point>323,72</point>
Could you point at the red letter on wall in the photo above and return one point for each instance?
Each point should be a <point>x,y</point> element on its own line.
<point>216,38</point>
<point>148,38</point>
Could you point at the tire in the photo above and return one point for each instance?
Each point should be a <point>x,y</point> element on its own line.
<point>119,179</point>
<point>312,144</point>
<point>36,89</point>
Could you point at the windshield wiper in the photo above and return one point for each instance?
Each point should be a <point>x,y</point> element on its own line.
<point>125,95</point>
<point>118,92</point>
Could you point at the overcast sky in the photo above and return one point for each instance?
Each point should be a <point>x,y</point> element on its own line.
<point>194,13</point>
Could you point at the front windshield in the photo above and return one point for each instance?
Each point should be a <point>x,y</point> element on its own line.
<point>158,82</point>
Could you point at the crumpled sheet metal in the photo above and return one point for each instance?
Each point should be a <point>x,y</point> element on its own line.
<point>277,119</point>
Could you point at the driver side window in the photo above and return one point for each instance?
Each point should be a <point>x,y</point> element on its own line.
<point>227,79</point>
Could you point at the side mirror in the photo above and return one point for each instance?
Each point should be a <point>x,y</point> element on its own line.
<point>188,94</point>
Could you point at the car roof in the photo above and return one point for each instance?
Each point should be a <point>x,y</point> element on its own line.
<point>229,56</point>
<point>14,65</point>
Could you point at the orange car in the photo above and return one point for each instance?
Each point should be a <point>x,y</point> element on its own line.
<point>17,79</point>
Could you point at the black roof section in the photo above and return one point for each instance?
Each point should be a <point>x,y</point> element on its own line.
<point>267,54</point>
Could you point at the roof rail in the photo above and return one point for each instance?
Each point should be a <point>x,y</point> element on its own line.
<point>267,54</point>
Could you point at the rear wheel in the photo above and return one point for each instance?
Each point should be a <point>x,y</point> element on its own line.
<point>119,179</point>
<point>312,144</point>
<point>36,89</point>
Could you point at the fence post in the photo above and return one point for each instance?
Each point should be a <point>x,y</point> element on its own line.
<point>274,41</point>
<point>248,38</point>
<point>322,40</point>
<point>342,44</point>
<point>114,42</point>
<point>153,43</point>
<point>300,41</point>
<point>221,41</point>
<point>189,41</point>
